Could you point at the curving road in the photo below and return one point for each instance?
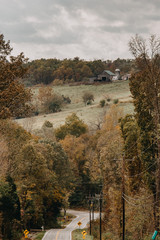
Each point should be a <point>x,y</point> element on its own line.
<point>66,233</point>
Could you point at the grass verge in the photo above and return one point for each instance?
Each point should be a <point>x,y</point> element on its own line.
<point>77,234</point>
<point>65,221</point>
<point>39,236</point>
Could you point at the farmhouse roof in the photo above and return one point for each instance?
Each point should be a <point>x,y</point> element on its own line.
<point>109,73</point>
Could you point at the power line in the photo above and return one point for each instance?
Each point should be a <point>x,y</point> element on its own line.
<point>136,205</point>
<point>141,173</point>
<point>133,159</point>
<point>138,199</point>
<point>138,139</point>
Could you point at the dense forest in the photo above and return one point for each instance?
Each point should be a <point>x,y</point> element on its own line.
<point>46,71</point>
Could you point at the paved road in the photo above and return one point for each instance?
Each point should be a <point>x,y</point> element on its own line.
<point>65,234</point>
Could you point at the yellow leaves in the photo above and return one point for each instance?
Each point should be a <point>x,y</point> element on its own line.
<point>57,195</point>
<point>45,94</point>
<point>118,128</point>
<point>74,147</point>
<point>29,195</point>
<point>112,118</point>
<point>3,156</point>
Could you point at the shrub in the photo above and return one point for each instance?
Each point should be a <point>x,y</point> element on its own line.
<point>102,103</point>
<point>36,113</point>
<point>48,124</point>
<point>88,98</point>
<point>50,101</point>
<point>55,104</point>
<point>57,82</point>
<point>66,99</point>
<point>115,101</point>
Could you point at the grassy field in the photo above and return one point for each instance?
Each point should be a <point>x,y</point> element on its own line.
<point>90,114</point>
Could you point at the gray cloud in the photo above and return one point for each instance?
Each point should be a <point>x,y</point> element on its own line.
<point>68,28</point>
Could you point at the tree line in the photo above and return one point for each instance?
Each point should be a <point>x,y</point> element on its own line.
<point>57,71</point>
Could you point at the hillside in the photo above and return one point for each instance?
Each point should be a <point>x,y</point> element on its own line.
<point>90,114</point>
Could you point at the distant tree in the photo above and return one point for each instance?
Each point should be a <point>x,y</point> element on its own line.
<point>50,101</point>
<point>14,98</point>
<point>45,94</point>
<point>72,70</point>
<point>88,98</point>
<point>55,103</point>
<point>97,66</point>
<point>86,71</point>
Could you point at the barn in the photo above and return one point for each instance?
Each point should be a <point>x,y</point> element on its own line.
<point>105,76</point>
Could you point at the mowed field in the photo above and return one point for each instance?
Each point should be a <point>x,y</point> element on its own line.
<point>90,114</point>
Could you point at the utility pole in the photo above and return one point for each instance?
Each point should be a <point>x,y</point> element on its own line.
<point>91,212</point>
<point>123,200</point>
<point>158,188</point>
<point>100,198</point>
<point>92,203</point>
<point>100,216</point>
<point>90,215</point>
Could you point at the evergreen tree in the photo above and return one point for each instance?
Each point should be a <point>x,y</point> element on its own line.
<point>10,209</point>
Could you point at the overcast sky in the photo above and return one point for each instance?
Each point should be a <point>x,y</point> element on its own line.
<point>90,29</point>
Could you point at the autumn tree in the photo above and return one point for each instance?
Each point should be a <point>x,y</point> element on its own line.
<point>131,133</point>
<point>77,149</point>
<point>109,154</point>
<point>86,71</point>
<point>4,161</point>
<point>14,98</point>
<point>49,101</point>
<point>73,126</point>
<point>13,138</point>
<point>32,192</point>
<point>145,88</point>
<point>27,161</point>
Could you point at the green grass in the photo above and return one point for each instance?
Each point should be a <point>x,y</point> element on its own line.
<point>90,114</point>
<point>39,236</point>
<point>77,235</point>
